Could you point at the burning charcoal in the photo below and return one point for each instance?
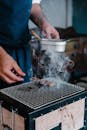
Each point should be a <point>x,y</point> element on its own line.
<point>51,84</point>
<point>36,80</point>
<point>46,82</point>
<point>43,82</point>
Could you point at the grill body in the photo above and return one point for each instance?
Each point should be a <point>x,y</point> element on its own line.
<point>28,101</point>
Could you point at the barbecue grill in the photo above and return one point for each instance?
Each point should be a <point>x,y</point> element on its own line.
<point>36,97</point>
<point>31,101</point>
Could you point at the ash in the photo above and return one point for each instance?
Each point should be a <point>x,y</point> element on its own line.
<point>56,65</point>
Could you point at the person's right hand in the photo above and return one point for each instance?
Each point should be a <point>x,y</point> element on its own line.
<point>7,68</point>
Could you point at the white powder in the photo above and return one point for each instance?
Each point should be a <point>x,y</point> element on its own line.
<point>56,67</point>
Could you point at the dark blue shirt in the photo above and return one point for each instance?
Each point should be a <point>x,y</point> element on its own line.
<point>14,16</point>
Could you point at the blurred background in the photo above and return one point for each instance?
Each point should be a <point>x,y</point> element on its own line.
<point>66,13</point>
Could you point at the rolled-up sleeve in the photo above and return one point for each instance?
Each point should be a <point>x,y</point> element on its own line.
<point>36,1</point>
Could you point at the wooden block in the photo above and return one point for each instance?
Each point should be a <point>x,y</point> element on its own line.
<point>73,115</point>
<point>48,121</point>
<point>70,116</point>
<point>7,120</point>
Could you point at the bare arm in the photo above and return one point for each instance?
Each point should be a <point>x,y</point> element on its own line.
<point>7,64</point>
<point>39,19</point>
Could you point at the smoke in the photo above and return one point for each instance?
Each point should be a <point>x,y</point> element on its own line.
<point>57,65</point>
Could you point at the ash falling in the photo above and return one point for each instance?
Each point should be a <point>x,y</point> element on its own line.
<point>56,65</point>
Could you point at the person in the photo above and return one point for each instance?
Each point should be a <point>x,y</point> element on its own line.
<point>15,58</point>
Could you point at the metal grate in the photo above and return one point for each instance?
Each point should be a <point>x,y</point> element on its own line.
<point>35,97</point>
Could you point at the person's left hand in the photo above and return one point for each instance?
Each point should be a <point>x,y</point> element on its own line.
<point>50,32</point>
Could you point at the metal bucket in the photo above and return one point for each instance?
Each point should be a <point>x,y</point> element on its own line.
<point>53,44</point>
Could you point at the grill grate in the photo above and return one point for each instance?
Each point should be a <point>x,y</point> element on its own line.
<point>35,97</point>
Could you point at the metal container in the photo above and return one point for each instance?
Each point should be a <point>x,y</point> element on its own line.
<point>53,44</point>
<point>57,45</point>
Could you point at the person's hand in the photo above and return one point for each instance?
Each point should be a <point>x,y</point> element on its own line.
<point>49,31</point>
<point>10,72</point>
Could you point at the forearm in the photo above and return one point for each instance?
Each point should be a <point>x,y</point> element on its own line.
<point>38,17</point>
